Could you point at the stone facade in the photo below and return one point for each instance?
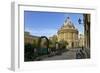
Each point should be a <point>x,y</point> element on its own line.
<point>81,40</point>
<point>34,40</point>
<point>30,39</point>
<point>87,30</point>
<point>68,33</point>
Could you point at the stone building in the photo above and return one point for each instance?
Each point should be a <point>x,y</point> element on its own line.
<point>30,39</point>
<point>87,30</point>
<point>68,33</point>
<point>34,40</point>
<point>81,40</point>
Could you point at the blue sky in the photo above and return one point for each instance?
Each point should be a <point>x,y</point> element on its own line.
<point>48,23</point>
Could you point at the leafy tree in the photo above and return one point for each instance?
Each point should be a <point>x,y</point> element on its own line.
<point>53,41</point>
<point>28,52</point>
<point>63,44</point>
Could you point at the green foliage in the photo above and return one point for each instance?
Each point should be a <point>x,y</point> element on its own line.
<point>63,44</point>
<point>29,52</point>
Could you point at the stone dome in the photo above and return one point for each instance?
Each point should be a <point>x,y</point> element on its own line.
<point>68,26</point>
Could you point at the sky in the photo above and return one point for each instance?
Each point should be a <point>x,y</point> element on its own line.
<point>48,23</point>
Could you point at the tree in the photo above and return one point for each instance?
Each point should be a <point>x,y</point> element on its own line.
<point>53,41</point>
<point>28,52</point>
<point>63,44</point>
<point>54,38</point>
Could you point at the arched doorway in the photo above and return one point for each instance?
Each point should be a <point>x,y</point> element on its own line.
<point>43,50</point>
<point>72,44</point>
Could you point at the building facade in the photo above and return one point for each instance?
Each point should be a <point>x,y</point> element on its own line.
<point>87,30</point>
<point>81,40</point>
<point>29,39</point>
<point>68,33</point>
<point>35,40</point>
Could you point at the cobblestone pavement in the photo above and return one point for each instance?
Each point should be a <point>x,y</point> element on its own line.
<point>71,54</point>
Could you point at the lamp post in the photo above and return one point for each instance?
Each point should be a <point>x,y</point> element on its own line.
<point>80,21</point>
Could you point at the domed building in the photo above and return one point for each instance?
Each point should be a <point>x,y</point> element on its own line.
<point>68,33</point>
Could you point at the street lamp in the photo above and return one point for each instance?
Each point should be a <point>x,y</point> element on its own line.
<point>79,21</point>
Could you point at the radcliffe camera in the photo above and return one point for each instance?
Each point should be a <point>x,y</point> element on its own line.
<point>56,36</point>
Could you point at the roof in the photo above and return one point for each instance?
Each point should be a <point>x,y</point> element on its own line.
<point>68,24</point>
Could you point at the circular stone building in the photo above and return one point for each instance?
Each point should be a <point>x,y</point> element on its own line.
<point>68,33</point>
